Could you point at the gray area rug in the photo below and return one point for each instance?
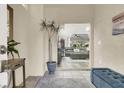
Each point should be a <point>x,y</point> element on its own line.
<point>51,81</point>
<point>62,83</point>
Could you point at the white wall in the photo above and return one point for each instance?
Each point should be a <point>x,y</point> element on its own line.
<point>36,41</point>
<point>108,49</point>
<point>27,31</point>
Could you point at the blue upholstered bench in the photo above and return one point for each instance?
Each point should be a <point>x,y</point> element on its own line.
<point>106,78</point>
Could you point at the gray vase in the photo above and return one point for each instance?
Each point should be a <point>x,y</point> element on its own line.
<point>51,67</point>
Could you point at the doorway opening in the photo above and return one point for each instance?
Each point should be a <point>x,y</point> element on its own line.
<point>74,47</point>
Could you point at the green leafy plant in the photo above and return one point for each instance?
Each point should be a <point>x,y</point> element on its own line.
<point>86,45</point>
<point>11,48</point>
<point>51,28</point>
<point>77,45</point>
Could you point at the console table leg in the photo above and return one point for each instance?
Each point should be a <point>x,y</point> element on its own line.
<point>24,75</point>
<point>13,75</point>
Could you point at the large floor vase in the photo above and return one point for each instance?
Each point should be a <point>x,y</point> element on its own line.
<point>51,67</point>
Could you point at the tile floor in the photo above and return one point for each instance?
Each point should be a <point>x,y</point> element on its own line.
<point>72,73</point>
<point>69,64</point>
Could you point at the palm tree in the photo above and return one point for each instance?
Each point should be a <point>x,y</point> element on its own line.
<point>51,28</point>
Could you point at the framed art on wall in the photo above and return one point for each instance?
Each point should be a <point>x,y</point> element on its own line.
<point>118,24</point>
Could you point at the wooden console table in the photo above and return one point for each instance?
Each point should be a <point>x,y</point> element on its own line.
<point>14,64</point>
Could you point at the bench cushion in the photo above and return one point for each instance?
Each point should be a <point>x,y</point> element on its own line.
<point>109,76</point>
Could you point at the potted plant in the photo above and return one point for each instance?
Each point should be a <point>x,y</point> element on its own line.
<point>86,46</point>
<point>11,48</point>
<point>51,28</point>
